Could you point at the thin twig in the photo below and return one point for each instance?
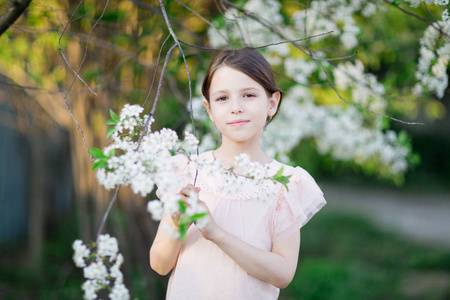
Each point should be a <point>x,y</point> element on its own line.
<point>345,57</point>
<point>305,23</point>
<point>158,91</point>
<point>105,216</point>
<point>87,46</point>
<point>200,47</point>
<point>222,9</point>
<point>156,70</point>
<point>206,21</point>
<point>166,18</point>
<point>67,62</point>
<point>79,69</point>
<point>417,17</point>
<point>359,106</point>
<point>60,48</point>
<point>435,21</point>
<point>169,26</point>
<point>294,41</point>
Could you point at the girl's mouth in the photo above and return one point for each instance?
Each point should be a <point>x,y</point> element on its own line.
<point>238,123</point>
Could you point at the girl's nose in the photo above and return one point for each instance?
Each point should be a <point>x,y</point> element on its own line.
<point>236,106</point>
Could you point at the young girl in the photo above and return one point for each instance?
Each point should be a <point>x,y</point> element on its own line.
<point>249,248</point>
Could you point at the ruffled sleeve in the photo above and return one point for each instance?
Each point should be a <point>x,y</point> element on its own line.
<point>297,205</point>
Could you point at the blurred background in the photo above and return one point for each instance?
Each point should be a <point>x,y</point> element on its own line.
<point>379,237</point>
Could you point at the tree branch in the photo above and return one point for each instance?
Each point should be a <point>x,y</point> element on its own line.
<point>417,17</point>
<point>12,14</point>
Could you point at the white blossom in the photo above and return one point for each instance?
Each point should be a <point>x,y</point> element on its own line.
<point>98,274</point>
<point>81,252</point>
<point>170,232</point>
<point>434,60</point>
<point>96,271</point>
<point>441,2</point>
<point>130,111</point>
<point>90,288</point>
<point>202,222</point>
<point>156,209</point>
<point>119,292</point>
<point>190,140</point>
<point>107,246</point>
<point>299,70</point>
<point>445,16</point>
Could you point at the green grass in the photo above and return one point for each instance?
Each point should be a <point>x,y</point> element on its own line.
<point>346,257</point>
<point>341,257</point>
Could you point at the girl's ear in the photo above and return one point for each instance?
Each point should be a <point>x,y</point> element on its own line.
<point>206,104</point>
<point>273,103</point>
<point>208,109</point>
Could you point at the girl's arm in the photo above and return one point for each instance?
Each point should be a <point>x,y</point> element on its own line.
<point>276,267</point>
<point>165,248</point>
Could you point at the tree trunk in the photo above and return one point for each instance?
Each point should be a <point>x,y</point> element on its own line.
<point>37,203</point>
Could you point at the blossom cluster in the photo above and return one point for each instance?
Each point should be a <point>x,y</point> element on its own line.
<point>365,89</point>
<point>337,130</point>
<point>434,60</point>
<point>142,159</point>
<point>242,173</point>
<point>101,268</point>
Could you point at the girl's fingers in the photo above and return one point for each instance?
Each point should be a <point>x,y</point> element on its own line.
<point>187,190</point>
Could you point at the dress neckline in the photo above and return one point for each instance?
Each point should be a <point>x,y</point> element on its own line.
<point>211,154</point>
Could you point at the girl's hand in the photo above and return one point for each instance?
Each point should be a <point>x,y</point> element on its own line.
<point>185,193</point>
<point>211,229</point>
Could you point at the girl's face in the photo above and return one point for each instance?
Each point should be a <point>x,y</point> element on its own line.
<point>238,105</point>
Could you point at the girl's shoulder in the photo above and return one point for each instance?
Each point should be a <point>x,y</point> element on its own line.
<point>301,200</point>
<point>295,174</point>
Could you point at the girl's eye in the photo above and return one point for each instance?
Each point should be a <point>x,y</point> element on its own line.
<point>223,98</point>
<point>249,95</point>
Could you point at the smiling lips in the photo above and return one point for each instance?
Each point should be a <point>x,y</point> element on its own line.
<point>238,123</point>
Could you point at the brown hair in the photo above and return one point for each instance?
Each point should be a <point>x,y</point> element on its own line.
<point>248,61</point>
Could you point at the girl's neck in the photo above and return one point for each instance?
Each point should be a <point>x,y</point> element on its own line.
<point>228,150</point>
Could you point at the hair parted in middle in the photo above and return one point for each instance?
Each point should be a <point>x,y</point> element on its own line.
<point>248,61</point>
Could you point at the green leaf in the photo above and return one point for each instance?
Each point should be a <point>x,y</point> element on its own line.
<point>114,116</point>
<point>396,2</point>
<point>193,218</point>
<point>100,164</point>
<point>111,153</point>
<point>279,173</point>
<point>183,229</point>
<point>284,180</point>
<point>182,206</point>
<point>97,153</point>
<point>110,131</point>
<point>111,122</point>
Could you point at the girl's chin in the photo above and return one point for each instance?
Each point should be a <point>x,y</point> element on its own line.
<point>241,138</point>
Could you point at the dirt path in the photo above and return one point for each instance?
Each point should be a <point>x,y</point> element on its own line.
<point>423,217</point>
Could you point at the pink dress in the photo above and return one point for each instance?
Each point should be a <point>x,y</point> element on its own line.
<point>204,271</point>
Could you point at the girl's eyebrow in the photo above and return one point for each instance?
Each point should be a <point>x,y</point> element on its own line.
<point>242,90</point>
<point>219,92</point>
